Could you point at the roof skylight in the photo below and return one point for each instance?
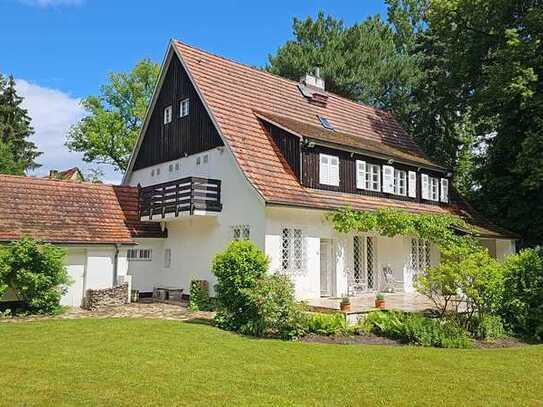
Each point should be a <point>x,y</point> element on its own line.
<point>326,123</point>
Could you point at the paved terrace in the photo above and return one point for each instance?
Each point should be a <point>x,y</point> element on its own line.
<point>408,302</point>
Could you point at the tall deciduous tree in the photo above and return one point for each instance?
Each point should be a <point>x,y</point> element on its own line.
<point>17,153</point>
<point>494,50</point>
<point>109,132</point>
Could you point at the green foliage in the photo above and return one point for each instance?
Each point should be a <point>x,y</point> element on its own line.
<point>417,329</point>
<point>17,153</point>
<point>275,313</point>
<point>326,324</point>
<point>361,62</point>
<point>487,62</point>
<point>467,280</point>
<point>522,308</point>
<point>488,327</point>
<point>109,131</point>
<point>440,229</point>
<point>250,301</point>
<point>199,298</point>
<point>36,271</point>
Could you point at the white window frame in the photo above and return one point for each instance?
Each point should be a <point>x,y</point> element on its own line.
<point>241,232</point>
<point>400,182</point>
<point>167,258</point>
<point>138,254</point>
<point>168,114</point>
<point>184,107</point>
<point>328,171</point>
<point>292,249</point>
<point>373,174</point>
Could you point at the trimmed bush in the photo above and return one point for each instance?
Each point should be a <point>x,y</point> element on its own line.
<point>275,311</point>
<point>37,272</point>
<point>238,270</point>
<point>417,329</point>
<point>250,301</point>
<point>522,308</point>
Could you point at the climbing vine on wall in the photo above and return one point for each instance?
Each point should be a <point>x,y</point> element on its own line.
<point>440,229</point>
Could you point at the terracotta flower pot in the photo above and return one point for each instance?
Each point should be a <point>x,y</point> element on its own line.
<point>380,304</point>
<point>345,307</point>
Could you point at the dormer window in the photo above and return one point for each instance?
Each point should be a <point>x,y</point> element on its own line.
<point>168,113</point>
<point>184,108</point>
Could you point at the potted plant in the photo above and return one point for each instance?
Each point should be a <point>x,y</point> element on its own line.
<point>380,301</point>
<point>345,304</point>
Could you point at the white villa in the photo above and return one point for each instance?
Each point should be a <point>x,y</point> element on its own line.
<point>230,152</point>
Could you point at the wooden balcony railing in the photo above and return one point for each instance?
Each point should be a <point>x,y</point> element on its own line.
<point>184,195</point>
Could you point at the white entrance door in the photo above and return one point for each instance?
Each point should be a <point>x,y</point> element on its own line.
<point>326,259</point>
<point>75,266</point>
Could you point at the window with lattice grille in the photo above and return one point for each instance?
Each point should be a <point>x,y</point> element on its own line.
<point>420,255</point>
<point>292,249</point>
<point>363,261</point>
<point>241,232</point>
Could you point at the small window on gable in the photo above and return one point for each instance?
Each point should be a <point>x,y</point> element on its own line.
<point>158,171</point>
<point>326,123</point>
<point>170,168</point>
<point>153,172</point>
<point>168,112</point>
<point>184,107</point>
<point>176,167</point>
<point>328,169</point>
<point>206,158</point>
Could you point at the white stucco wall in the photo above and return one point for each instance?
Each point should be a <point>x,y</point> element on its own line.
<point>394,252</point>
<point>194,240</point>
<point>145,272</point>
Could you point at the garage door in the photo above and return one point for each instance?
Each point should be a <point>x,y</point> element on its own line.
<point>75,265</point>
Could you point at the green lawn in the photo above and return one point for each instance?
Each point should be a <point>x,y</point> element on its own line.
<point>120,362</point>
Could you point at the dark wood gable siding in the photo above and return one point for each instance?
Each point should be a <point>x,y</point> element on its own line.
<point>183,136</point>
<point>289,146</point>
<point>347,173</point>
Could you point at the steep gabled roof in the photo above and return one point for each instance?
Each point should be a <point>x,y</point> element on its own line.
<point>69,212</point>
<point>238,97</point>
<point>234,93</point>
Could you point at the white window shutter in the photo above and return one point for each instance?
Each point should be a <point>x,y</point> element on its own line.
<point>334,171</point>
<point>324,170</point>
<point>388,179</point>
<point>361,175</point>
<point>444,190</point>
<point>425,186</point>
<point>412,184</point>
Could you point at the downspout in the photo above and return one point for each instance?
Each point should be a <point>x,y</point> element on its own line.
<point>115,264</point>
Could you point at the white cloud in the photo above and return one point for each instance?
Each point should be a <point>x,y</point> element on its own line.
<point>51,3</point>
<point>53,113</point>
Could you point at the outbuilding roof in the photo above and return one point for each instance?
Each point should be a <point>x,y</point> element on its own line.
<point>70,212</point>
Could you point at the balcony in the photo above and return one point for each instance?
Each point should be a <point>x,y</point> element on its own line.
<point>186,196</point>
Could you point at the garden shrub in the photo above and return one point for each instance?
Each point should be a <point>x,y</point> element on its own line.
<point>199,297</point>
<point>274,309</point>
<point>417,329</point>
<point>37,272</point>
<point>465,273</point>
<point>488,327</point>
<point>238,269</point>
<point>250,301</point>
<point>522,308</point>
<point>326,324</point>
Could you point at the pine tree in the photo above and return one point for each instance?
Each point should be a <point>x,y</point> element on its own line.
<point>15,130</point>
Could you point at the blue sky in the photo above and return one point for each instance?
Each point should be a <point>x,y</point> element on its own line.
<point>62,50</point>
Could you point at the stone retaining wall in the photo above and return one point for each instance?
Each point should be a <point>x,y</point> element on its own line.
<point>106,297</point>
